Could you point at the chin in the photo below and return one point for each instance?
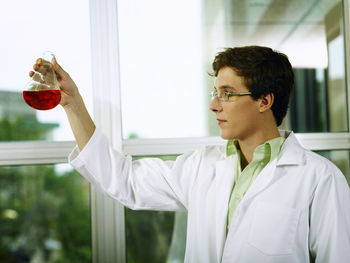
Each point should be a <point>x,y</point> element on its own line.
<point>227,136</point>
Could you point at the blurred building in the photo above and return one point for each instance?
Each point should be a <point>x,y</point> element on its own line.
<point>13,108</point>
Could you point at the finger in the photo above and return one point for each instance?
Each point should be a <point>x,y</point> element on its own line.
<point>39,61</point>
<point>36,66</point>
<point>42,66</point>
<point>61,74</point>
<point>37,77</point>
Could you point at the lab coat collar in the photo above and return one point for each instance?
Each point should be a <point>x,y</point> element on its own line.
<point>292,153</point>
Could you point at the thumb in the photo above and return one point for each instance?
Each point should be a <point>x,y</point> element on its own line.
<point>61,74</point>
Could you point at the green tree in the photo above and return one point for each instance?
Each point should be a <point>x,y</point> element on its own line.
<point>20,129</point>
<point>148,235</point>
<point>42,214</point>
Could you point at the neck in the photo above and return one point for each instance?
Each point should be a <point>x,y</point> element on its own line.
<point>249,144</point>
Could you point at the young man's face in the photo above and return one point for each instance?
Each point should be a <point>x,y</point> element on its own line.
<point>238,118</point>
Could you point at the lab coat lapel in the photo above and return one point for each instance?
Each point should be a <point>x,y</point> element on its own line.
<point>224,179</point>
<point>291,154</point>
<point>264,179</point>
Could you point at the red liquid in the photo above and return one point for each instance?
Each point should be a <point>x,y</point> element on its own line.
<point>42,99</point>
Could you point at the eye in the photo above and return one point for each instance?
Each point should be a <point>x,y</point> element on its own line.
<point>223,95</point>
<point>227,94</point>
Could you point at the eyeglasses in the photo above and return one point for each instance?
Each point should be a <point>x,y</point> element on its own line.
<point>225,95</point>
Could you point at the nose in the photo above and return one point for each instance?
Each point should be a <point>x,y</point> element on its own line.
<point>215,105</point>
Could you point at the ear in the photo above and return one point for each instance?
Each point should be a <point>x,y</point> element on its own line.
<point>265,102</point>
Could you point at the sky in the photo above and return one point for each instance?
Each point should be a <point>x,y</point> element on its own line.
<point>27,29</point>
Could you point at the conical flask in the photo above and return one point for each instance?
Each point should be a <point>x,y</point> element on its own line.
<point>42,91</point>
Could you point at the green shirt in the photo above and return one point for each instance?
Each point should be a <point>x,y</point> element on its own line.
<point>263,154</point>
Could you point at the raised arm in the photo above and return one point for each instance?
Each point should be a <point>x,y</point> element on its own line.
<point>80,121</point>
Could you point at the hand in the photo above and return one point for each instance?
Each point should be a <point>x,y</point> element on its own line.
<point>79,118</point>
<point>69,91</point>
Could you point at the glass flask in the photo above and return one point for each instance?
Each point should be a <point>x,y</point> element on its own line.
<point>42,91</point>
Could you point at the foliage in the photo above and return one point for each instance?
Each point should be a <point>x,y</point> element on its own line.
<point>148,235</point>
<point>44,215</point>
<point>21,129</point>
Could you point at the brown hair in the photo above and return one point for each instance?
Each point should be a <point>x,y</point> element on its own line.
<point>264,71</point>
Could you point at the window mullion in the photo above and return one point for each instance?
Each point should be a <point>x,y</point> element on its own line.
<point>147,147</point>
<point>346,8</point>
<point>34,152</point>
<point>108,227</point>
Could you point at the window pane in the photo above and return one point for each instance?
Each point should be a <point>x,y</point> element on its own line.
<point>161,68</point>
<point>318,102</point>
<point>154,236</point>
<point>27,29</point>
<point>44,215</point>
<point>165,59</point>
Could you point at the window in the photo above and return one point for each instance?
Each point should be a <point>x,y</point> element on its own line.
<point>148,235</point>
<point>28,28</point>
<point>44,205</point>
<point>161,68</point>
<point>165,58</point>
<point>44,214</point>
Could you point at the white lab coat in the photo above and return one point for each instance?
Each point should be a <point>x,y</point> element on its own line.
<point>297,210</point>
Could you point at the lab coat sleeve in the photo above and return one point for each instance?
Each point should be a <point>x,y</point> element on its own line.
<point>330,219</point>
<point>148,183</point>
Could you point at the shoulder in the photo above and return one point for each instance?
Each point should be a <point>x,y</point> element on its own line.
<point>216,151</point>
<point>323,167</point>
<point>319,166</point>
<point>206,153</point>
<point>308,161</point>
<point>319,162</point>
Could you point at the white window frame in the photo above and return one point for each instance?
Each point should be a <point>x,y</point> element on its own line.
<point>108,226</point>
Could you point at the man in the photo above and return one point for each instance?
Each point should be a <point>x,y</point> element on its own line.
<point>262,198</point>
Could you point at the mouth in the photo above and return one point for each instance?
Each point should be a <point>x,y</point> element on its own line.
<point>221,121</point>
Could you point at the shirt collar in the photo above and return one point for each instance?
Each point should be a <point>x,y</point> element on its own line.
<point>269,149</point>
<point>232,147</point>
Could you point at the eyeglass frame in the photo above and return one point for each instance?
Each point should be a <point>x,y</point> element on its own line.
<point>215,93</point>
